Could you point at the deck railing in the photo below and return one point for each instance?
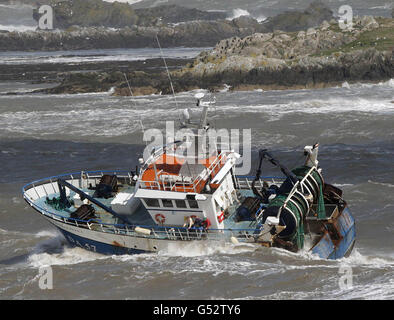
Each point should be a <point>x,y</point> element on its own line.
<point>47,186</point>
<point>245,182</point>
<point>186,186</point>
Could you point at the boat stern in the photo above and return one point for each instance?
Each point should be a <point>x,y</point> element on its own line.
<point>330,248</point>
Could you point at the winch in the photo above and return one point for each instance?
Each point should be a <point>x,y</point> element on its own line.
<point>302,191</point>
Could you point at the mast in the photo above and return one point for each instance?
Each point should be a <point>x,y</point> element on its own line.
<point>168,72</point>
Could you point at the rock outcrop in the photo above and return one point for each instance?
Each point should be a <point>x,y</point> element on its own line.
<point>315,57</point>
<point>87,24</point>
<point>98,13</point>
<point>190,34</point>
<point>313,16</point>
<point>244,55</point>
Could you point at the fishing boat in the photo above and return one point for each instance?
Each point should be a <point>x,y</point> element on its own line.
<point>175,197</point>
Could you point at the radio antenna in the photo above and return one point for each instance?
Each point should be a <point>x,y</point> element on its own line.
<point>135,105</point>
<point>168,72</point>
<point>131,92</point>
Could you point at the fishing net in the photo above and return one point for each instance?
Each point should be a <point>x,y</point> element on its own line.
<point>299,208</point>
<point>58,204</point>
<point>300,172</point>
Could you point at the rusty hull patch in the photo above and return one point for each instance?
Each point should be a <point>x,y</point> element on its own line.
<point>117,244</point>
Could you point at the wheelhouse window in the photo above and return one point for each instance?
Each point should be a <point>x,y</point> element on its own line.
<point>193,204</point>
<point>167,203</point>
<point>152,203</point>
<point>180,204</point>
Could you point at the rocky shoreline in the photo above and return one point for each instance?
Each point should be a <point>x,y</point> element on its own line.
<point>191,34</point>
<point>307,59</point>
<point>246,55</point>
<point>101,76</point>
<point>94,24</point>
<point>315,58</point>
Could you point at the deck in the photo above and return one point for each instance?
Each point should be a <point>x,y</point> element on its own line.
<point>37,192</point>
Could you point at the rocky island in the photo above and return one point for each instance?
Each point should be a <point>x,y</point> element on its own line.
<point>295,49</point>
<point>88,24</point>
<point>314,58</point>
<point>96,24</point>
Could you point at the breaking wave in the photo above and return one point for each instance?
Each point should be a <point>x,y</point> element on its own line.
<point>55,251</point>
<point>388,84</point>
<point>60,115</point>
<point>238,13</point>
<point>194,249</point>
<point>17,28</point>
<point>385,184</point>
<point>68,256</point>
<point>365,260</point>
<point>261,18</point>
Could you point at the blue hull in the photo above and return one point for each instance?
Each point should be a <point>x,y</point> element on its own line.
<point>97,246</point>
<point>326,249</point>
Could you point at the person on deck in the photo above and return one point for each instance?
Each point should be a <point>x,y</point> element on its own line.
<point>197,223</point>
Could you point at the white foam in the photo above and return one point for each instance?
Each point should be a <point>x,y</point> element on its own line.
<point>111,90</point>
<point>346,85</point>
<point>388,84</point>
<point>305,255</point>
<point>47,234</point>
<point>81,115</point>
<point>204,248</point>
<point>16,6</point>
<point>196,257</point>
<point>355,259</point>
<point>54,251</point>
<point>358,259</point>
<point>341,185</point>
<point>331,105</point>
<point>226,88</point>
<point>17,28</point>
<point>386,6</point>
<point>68,121</point>
<point>68,257</point>
<point>385,184</point>
<point>261,18</point>
<point>17,234</point>
<point>238,12</point>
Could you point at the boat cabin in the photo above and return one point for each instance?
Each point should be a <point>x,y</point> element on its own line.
<point>174,189</point>
<point>184,180</point>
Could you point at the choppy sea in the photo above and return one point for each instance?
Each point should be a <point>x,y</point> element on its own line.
<point>43,135</point>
